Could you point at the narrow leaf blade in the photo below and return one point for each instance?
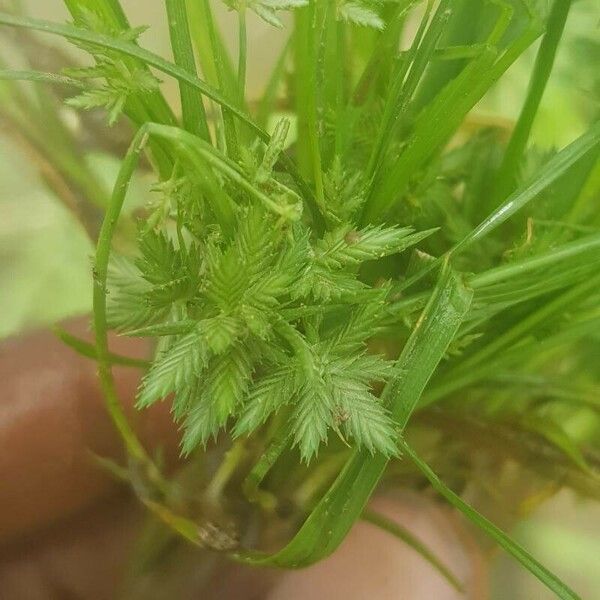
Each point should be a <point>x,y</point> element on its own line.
<point>514,549</point>
<point>554,168</point>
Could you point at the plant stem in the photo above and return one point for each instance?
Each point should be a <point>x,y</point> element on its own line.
<point>251,484</point>
<point>227,114</point>
<point>506,177</point>
<point>341,130</point>
<point>309,153</point>
<point>321,475</point>
<point>212,53</point>
<point>243,49</point>
<point>233,457</point>
<point>192,107</point>
<point>89,350</point>
<point>436,123</point>
<point>269,98</point>
<point>418,57</point>
<point>113,405</point>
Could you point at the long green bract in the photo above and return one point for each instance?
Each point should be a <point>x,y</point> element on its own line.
<point>342,505</point>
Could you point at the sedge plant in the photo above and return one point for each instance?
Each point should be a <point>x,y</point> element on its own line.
<point>341,277</point>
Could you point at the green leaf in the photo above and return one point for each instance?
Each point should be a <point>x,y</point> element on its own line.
<point>192,107</point>
<point>440,118</point>
<point>554,168</point>
<point>514,549</point>
<point>544,62</point>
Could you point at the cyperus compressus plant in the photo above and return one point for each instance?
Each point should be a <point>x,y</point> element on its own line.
<point>345,270</point>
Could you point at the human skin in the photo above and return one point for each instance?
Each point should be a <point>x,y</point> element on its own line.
<point>67,529</point>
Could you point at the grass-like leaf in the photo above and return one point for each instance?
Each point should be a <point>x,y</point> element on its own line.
<point>514,549</point>
<point>555,167</point>
<point>192,107</point>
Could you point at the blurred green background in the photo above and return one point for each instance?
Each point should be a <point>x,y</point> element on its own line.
<point>45,254</point>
